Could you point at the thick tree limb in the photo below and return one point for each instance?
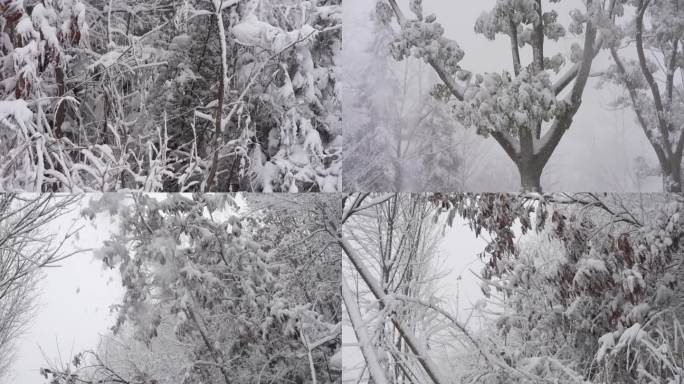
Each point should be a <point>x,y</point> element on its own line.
<point>591,47</point>
<point>671,72</point>
<point>515,51</point>
<point>567,78</point>
<point>376,371</point>
<point>551,139</point>
<point>456,89</point>
<point>572,73</point>
<point>397,11</point>
<point>538,39</point>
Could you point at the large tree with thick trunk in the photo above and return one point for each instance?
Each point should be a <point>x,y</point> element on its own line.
<point>529,110</point>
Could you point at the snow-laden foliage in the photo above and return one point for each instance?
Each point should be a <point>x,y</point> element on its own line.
<point>170,95</point>
<point>424,39</point>
<point>300,141</point>
<point>36,48</point>
<point>507,105</point>
<point>591,294</point>
<point>577,288</point>
<point>237,296</point>
<point>648,56</point>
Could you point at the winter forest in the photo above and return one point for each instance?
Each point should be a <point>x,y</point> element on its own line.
<point>342,288</point>
<point>508,95</point>
<point>169,95</point>
<point>500,288</point>
<point>206,288</point>
<point>329,192</point>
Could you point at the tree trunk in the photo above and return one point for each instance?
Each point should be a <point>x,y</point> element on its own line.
<point>398,176</point>
<point>680,292</point>
<point>672,174</point>
<point>530,176</point>
<point>676,176</point>
<point>211,178</point>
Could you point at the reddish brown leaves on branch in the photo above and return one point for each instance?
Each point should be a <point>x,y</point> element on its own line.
<point>23,87</point>
<point>74,36</point>
<point>625,250</point>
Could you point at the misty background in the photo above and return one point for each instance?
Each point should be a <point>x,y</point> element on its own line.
<point>73,301</point>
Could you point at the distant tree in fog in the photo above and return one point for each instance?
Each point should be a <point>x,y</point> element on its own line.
<point>399,138</point>
<point>652,81</point>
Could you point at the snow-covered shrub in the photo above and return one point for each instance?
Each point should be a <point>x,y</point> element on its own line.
<point>135,101</point>
<point>590,294</point>
<point>36,43</point>
<point>236,296</point>
<point>294,146</point>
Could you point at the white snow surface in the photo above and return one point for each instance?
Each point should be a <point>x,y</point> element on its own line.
<point>17,109</point>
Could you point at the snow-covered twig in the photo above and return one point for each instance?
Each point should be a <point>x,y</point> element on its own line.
<point>305,340</point>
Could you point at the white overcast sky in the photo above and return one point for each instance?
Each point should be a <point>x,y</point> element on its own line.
<point>74,299</point>
<point>599,150</point>
<point>74,302</point>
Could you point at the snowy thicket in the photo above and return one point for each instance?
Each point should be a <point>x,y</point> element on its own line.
<point>219,292</point>
<point>526,108</point>
<point>36,47</point>
<point>648,55</point>
<point>170,95</point>
<point>592,295</point>
<point>576,289</point>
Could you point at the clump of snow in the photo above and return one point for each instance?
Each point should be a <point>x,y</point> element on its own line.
<point>633,281</point>
<point>589,271</point>
<point>498,102</point>
<point>106,60</point>
<point>629,336</point>
<point>25,28</point>
<point>251,31</point>
<point>17,109</point>
<point>639,313</point>
<point>607,343</point>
